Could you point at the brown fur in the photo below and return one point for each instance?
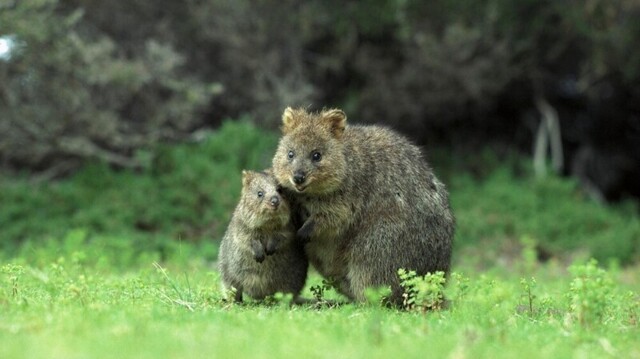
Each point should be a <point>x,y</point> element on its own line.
<point>257,230</point>
<point>370,205</point>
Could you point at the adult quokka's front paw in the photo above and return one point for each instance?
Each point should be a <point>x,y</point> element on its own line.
<point>306,231</point>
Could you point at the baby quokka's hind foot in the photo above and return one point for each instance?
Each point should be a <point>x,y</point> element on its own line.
<point>231,293</point>
<point>237,296</point>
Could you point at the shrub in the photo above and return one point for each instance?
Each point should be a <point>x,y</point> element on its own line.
<point>592,291</point>
<point>553,213</point>
<point>186,192</point>
<point>71,95</point>
<point>422,293</point>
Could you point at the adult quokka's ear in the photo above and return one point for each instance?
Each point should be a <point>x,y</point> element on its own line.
<point>290,120</point>
<point>335,120</point>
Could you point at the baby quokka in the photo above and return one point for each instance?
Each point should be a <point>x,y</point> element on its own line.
<point>261,226</point>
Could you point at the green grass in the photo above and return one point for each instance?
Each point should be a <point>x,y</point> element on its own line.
<point>68,308</point>
<point>121,264</point>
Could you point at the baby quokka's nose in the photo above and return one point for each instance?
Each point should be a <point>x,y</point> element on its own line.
<point>299,177</point>
<point>275,201</point>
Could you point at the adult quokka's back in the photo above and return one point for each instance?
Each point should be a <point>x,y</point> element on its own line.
<point>258,254</point>
<point>371,202</point>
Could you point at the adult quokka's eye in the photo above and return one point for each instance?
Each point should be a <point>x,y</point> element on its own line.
<point>290,154</point>
<point>260,194</point>
<point>316,156</point>
<point>279,189</point>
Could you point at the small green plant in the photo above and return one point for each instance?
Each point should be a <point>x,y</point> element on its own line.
<point>279,299</point>
<point>527,287</point>
<point>180,297</point>
<point>422,293</point>
<point>529,254</point>
<point>590,293</point>
<point>632,309</point>
<point>13,272</point>
<point>377,295</point>
<point>461,287</point>
<point>318,291</point>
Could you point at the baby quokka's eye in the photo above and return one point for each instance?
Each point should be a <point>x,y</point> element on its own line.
<point>260,194</point>
<point>316,156</point>
<point>290,154</point>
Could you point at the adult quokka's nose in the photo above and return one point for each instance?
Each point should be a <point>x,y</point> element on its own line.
<point>299,177</point>
<point>275,201</point>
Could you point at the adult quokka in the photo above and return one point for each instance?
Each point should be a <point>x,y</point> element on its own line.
<point>370,202</point>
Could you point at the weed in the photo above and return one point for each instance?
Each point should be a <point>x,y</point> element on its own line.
<point>632,309</point>
<point>529,254</point>
<point>527,287</point>
<point>14,272</point>
<point>177,296</point>
<point>422,293</point>
<point>590,294</point>
<point>459,285</point>
<point>377,295</point>
<point>318,291</point>
<point>279,299</point>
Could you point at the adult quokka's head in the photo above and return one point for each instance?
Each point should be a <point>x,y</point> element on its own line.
<point>261,203</point>
<point>310,157</point>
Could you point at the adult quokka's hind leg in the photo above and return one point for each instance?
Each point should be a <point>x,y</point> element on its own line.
<point>238,296</point>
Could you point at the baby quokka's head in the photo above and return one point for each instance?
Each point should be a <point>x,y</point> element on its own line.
<point>310,157</point>
<point>261,203</point>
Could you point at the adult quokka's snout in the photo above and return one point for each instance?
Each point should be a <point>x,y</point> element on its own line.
<point>299,177</point>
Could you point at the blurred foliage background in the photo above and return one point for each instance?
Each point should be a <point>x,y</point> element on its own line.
<point>95,97</point>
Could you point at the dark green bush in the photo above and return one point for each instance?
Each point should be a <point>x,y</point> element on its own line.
<point>554,213</point>
<point>101,80</point>
<point>70,93</point>
<point>186,193</point>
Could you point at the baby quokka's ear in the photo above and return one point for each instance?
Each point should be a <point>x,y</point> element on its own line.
<point>247,177</point>
<point>335,120</point>
<point>268,172</point>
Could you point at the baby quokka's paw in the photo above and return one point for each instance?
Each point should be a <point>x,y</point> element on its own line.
<point>272,245</point>
<point>258,251</point>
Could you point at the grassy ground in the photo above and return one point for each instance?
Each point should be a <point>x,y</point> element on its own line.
<point>112,264</point>
<point>74,309</point>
